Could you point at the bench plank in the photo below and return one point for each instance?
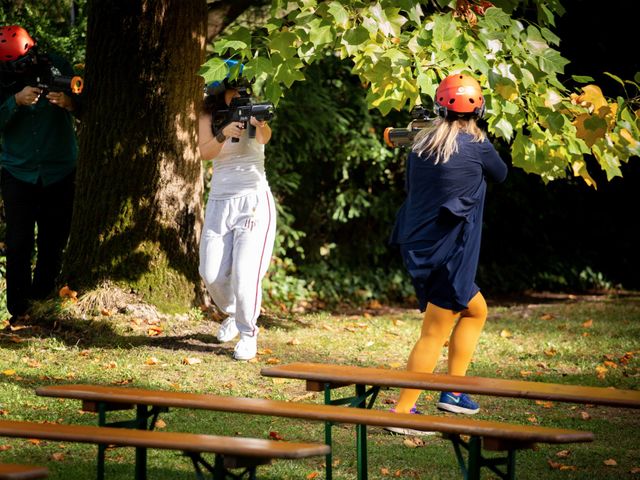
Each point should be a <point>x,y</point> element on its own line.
<point>326,413</point>
<point>9,471</point>
<point>317,374</point>
<point>186,442</point>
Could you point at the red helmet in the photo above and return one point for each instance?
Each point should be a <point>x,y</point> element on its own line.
<point>15,42</point>
<point>459,93</point>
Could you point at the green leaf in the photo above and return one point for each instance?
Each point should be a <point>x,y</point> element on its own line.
<point>615,77</point>
<point>213,70</point>
<point>356,36</point>
<point>552,62</point>
<point>339,13</point>
<point>321,35</point>
<point>282,42</point>
<point>257,66</point>
<point>444,32</point>
<point>549,36</point>
<point>582,78</point>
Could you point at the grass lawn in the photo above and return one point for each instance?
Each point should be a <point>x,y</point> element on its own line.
<point>586,340</point>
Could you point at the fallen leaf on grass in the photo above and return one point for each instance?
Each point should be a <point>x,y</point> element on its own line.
<point>544,404</point>
<point>4,448</point>
<point>413,442</point>
<point>610,364</point>
<point>306,396</point>
<point>560,466</point>
<point>610,462</point>
<point>66,293</point>
<point>273,435</point>
<point>293,341</point>
<point>265,351</point>
<point>506,333</point>
<point>550,352</point>
<point>8,373</point>
<point>588,324</point>
<point>601,371</point>
<point>547,316</point>
<point>34,441</point>
<point>57,456</point>
<point>154,331</point>
<point>4,412</point>
<point>272,361</point>
<point>563,454</point>
<point>397,322</point>
<point>191,361</point>
<point>151,361</point>
<point>312,475</point>
<point>384,471</point>
<point>532,419</point>
<point>395,364</point>
<point>585,416</point>
<point>525,373</point>
<point>110,365</point>
<point>633,470</point>
<point>160,423</point>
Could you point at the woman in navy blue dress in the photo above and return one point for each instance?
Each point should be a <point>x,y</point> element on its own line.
<point>438,230</point>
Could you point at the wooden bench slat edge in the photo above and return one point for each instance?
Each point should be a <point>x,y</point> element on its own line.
<point>498,387</point>
<point>317,412</point>
<point>188,442</point>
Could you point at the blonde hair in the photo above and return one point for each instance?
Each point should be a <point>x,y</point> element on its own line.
<point>440,138</point>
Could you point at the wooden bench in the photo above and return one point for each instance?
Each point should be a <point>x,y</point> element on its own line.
<point>230,452</point>
<point>368,382</point>
<point>9,471</point>
<point>320,376</point>
<point>490,435</point>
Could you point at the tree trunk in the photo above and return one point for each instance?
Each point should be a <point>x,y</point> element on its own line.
<point>138,207</point>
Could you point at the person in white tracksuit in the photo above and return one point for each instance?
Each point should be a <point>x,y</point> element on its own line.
<point>240,221</point>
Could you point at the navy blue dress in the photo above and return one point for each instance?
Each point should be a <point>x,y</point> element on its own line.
<point>439,226</point>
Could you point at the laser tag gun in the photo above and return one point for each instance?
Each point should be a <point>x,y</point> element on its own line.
<point>41,73</point>
<point>241,109</point>
<point>400,137</point>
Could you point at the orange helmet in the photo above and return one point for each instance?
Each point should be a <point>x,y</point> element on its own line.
<point>15,42</point>
<point>459,93</point>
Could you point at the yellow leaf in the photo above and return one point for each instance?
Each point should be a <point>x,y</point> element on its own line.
<point>151,361</point>
<point>265,351</point>
<point>273,361</point>
<point>57,456</point>
<point>610,462</point>
<point>588,324</point>
<point>550,352</point>
<point>505,333</point>
<point>395,364</point>
<point>293,341</point>
<point>601,371</point>
<point>191,361</point>
<point>154,331</point>
<point>8,373</point>
<point>160,423</point>
<point>384,471</point>
<point>563,454</point>
<point>624,133</point>
<point>547,316</point>
<point>544,404</point>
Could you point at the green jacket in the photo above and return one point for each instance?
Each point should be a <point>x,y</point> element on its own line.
<point>37,141</point>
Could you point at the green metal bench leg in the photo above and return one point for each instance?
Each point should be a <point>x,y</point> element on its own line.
<point>361,437</point>
<point>327,437</point>
<point>102,419</point>
<point>141,452</point>
<point>475,459</point>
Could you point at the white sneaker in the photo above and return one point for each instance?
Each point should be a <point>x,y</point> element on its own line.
<point>228,330</point>
<point>246,348</point>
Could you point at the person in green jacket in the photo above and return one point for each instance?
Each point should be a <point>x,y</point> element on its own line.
<point>38,159</point>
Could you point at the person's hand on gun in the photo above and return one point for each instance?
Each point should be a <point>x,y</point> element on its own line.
<point>233,129</point>
<point>28,96</point>
<point>60,99</point>
<point>258,123</point>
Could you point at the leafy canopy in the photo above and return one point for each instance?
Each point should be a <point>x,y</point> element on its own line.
<point>401,49</point>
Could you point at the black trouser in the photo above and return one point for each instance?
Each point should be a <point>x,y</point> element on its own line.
<point>27,205</point>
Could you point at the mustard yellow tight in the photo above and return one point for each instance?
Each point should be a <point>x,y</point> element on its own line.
<point>437,327</point>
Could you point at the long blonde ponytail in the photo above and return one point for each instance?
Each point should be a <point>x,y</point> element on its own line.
<point>440,138</point>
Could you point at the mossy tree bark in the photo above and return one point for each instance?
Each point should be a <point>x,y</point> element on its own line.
<point>138,209</point>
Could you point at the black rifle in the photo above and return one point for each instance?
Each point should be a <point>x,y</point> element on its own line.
<point>400,137</point>
<point>35,70</point>
<point>241,109</point>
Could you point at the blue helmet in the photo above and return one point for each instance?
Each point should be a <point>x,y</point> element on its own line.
<point>219,86</point>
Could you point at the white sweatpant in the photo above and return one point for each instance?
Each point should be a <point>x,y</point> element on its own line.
<point>235,251</point>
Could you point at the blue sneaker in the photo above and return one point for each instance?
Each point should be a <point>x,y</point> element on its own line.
<point>457,403</point>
